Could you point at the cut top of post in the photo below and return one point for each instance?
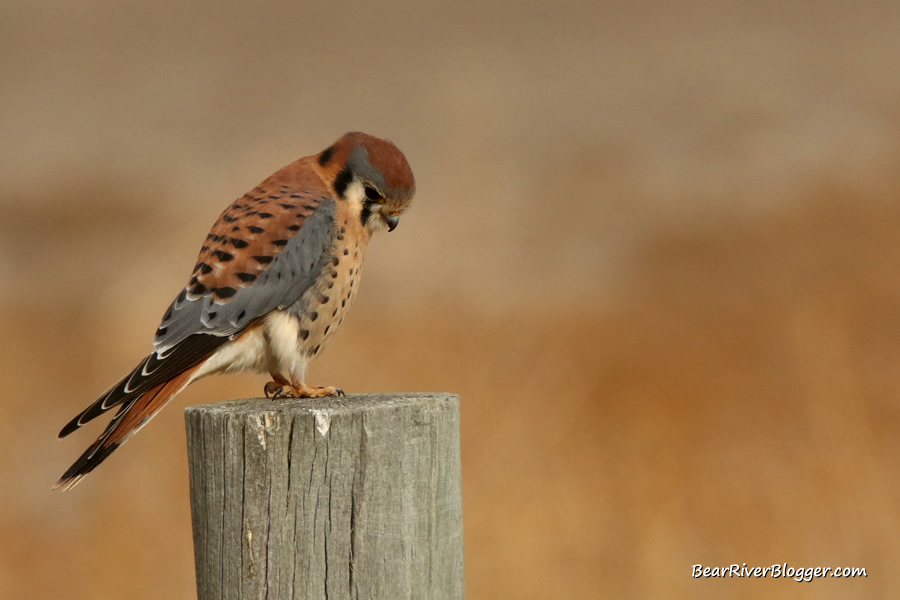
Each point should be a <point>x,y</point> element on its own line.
<point>338,405</point>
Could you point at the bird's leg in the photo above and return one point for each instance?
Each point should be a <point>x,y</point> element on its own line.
<point>280,387</point>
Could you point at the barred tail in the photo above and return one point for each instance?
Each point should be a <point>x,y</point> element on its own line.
<point>133,414</point>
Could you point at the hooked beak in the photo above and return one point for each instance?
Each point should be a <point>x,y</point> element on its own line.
<point>392,221</point>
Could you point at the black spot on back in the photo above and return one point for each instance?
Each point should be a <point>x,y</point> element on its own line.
<point>203,268</point>
<point>225,292</point>
<point>229,218</point>
<point>265,215</point>
<point>246,277</point>
<point>280,242</point>
<point>239,243</point>
<point>223,256</point>
<point>263,260</point>
<point>254,229</point>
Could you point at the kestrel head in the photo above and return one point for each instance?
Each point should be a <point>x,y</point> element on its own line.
<point>373,175</point>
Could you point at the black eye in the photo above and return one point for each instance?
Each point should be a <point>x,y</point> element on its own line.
<point>372,193</point>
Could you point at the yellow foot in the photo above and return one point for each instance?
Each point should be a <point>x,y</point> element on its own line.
<point>275,389</point>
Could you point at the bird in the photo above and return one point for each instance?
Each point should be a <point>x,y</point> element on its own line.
<point>273,281</point>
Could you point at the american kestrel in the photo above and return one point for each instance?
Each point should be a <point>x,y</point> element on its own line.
<point>274,279</point>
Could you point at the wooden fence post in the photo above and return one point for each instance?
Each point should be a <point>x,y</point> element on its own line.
<point>355,497</point>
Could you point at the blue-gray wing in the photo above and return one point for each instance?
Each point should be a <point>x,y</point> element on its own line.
<point>260,264</point>
<point>263,253</point>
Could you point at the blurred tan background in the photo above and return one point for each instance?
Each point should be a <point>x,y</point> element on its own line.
<point>655,248</point>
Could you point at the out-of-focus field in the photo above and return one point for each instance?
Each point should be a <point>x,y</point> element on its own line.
<point>655,248</point>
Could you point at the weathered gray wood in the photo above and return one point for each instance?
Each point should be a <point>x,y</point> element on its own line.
<point>355,497</point>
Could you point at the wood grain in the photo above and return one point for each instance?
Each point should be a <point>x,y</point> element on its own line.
<point>355,497</point>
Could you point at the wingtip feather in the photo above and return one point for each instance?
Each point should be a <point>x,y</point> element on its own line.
<point>64,484</point>
<point>69,427</point>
